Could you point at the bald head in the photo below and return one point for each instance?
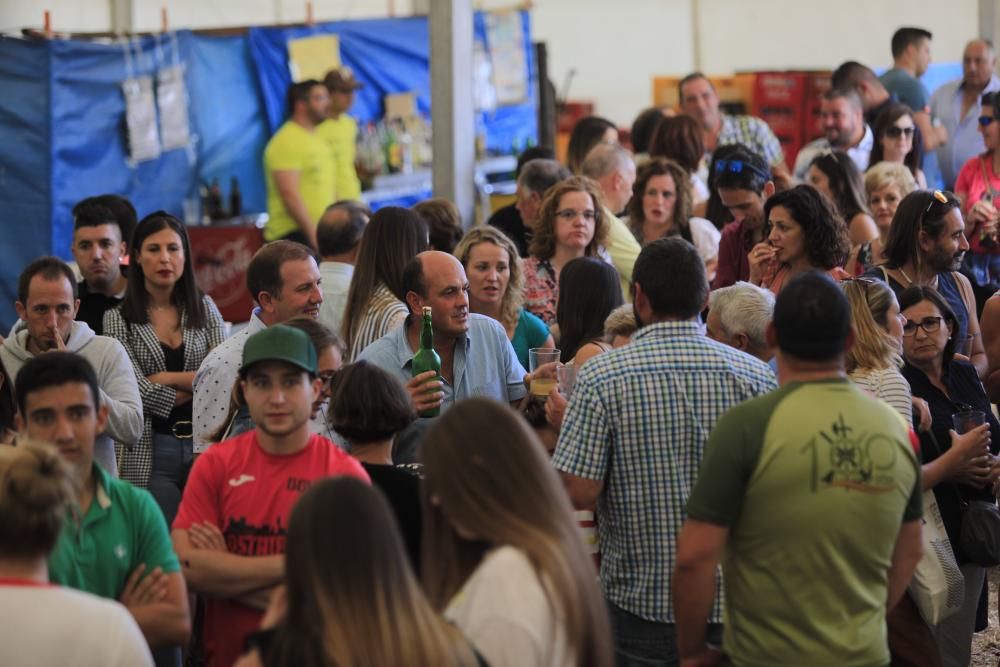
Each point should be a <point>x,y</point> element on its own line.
<point>339,231</point>
<point>979,61</point>
<point>437,279</point>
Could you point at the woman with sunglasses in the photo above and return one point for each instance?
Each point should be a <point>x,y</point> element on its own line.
<point>168,327</point>
<point>949,385</point>
<point>978,188</point>
<point>898,140</point>
<point>571,224</point>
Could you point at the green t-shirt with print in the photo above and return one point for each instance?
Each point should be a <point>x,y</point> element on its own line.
<point>813,481</point>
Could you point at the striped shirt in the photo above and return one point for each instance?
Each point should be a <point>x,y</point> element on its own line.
<point>889,385</point>
<point>638,420</point>
<point>753,133</point>
<point>384,313</point>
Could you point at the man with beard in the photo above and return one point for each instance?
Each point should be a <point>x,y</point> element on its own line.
<point>844,129</point>
<point>231,526</point>
<point>632,441</point>
<point>102,227</point>
<point>300,167</point>
<point>926,245</point>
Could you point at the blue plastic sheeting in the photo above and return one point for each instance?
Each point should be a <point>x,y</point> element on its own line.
<point>387,56</point>
<point>24,164</point>
<point>227,114</point>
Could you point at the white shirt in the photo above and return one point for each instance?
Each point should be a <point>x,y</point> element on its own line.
<point>505,613</point>
<point>51,626</point>
<point>860,154</point>
<point>213,383</point>
<point>336,281</point>
<point>964,139</point>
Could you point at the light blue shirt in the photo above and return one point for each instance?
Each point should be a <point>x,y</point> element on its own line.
<point>964,140</point>
<point>485,363</point>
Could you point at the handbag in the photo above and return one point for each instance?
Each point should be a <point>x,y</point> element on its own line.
<point>938,587</point>
<point>979,536</point>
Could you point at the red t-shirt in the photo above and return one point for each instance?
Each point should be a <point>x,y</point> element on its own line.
<point>248,494</point>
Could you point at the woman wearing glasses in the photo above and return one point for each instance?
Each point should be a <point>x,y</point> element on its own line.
<point>949,385</point>
<point>571,224</point>
<point>168,327</point>
<point>661,206</point>
<point>897,140</point>
<point>978,188</point>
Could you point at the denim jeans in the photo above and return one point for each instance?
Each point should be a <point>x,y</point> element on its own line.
<point>172,458</point>
<point>642,643</point>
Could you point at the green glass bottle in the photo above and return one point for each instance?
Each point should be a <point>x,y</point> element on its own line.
<point>426,358</point>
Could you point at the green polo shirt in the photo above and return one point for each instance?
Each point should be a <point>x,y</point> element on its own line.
<point>122,529</point>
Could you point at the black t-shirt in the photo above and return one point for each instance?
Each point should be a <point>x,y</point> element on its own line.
<point>508,220</point>
<point>93,306</point>
<point>401,487</point>
<point>174,358</point>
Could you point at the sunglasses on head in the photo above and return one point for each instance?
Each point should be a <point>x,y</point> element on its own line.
<point>895,132</point>
<point>737,167</point>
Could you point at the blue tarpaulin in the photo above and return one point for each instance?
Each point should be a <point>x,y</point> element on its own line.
<point>62,121</point>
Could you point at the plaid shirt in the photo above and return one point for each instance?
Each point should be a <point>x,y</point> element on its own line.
<point>753,133</point>
<point>638,419</point>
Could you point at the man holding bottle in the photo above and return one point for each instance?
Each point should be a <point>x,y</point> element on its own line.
<point>476,356</point>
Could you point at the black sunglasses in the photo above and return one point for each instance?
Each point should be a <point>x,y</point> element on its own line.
<point>985,121</point>
<point>895,132</point>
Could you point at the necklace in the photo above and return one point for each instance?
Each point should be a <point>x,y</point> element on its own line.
<point>910,280</point>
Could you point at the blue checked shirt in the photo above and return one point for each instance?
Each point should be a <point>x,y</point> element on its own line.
<point>753,133</point>
<point>638,419</point>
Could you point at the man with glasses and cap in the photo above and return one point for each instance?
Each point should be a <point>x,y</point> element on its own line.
<point>231,526</point>
<point>340,131</point>
<point>744,183</point>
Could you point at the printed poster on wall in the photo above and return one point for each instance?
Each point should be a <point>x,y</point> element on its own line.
<point>505,40</point>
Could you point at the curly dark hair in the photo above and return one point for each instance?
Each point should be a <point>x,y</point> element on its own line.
<point>683,204</point>
<point>824,231</point>
<point>543,243</point>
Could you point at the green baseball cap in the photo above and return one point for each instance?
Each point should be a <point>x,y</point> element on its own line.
<point>280,343</point>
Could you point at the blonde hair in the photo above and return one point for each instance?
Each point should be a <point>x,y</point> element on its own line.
<point>513,299</point>
<point>37,491</point>
<point>486,470</point>
<point>874,348</point>
<point>883,174</point>
<point>352,598</point>
<point>543,243</point>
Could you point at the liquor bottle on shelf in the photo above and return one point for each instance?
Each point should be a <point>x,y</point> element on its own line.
<point>235,198</point>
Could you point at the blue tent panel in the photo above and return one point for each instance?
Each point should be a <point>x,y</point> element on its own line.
<point>24,164</point>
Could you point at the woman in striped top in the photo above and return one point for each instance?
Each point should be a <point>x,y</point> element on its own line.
<point>375,300</point>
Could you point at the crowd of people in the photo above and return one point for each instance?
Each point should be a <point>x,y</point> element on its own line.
<point>764,379</point>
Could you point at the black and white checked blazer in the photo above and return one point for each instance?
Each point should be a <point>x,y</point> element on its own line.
<point>143,347</point>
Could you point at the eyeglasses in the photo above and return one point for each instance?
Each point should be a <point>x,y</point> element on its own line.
<point>895,132</point>
<point>985,121</point>
<point>937,198</point>
<point>928,324</point>
<point>570,214</point>
<point>864,282</point>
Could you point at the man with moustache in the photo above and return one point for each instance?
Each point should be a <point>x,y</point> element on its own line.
<point>926,246</point>
<point>102,227</point>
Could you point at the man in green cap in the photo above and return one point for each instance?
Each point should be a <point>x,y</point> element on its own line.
<point>231,526</point>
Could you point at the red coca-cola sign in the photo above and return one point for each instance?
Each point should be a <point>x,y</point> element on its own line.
<point>221,258</point>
